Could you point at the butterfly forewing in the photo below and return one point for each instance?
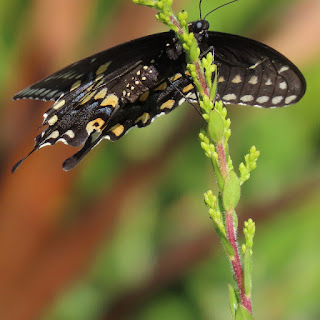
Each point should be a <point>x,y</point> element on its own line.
<point>111,63</point>
<point>252,73</point>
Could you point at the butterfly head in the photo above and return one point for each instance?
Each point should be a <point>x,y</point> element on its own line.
<point>200,29</point>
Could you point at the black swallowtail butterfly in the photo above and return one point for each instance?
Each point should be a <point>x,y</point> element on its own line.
<point>106,94</point>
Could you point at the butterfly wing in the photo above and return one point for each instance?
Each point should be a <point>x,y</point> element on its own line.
<point>109,63</point>
<point>104,95</point>
<point>151,104</point>
<point>252,73</point>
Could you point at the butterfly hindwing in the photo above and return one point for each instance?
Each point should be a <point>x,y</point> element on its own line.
<point>155,102</point>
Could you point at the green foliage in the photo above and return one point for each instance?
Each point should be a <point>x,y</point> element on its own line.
<point>12,21</point>
<point>243,314</point>
<point>249,231</point>
<point>216,126</point>
<point>217,217</point>
<point>250,164</point>
<point>231,192</point>
<point>233,301</point>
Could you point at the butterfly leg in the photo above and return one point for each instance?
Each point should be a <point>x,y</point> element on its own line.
<point>190,101</point>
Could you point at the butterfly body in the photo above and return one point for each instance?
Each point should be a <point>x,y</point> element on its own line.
<point>106,94</point>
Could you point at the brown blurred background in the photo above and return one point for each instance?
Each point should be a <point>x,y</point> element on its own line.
<point>125,235</point>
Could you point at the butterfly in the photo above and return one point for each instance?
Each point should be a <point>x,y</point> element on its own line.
<point>108,93</point>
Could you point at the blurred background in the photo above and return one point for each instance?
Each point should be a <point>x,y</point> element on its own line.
<point>125,235</point>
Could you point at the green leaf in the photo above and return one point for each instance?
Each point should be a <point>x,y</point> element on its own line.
<point>233,300</point>
<point>231,191</point>
<point>243,313</point>
<point>214,87</point>
<point>216,169</point>
<point>225,242</point>
<point>248,272</point>
<point>216,126</point>
<point>221,207</point>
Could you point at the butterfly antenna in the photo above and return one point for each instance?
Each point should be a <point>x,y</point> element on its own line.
<point>219,7</point>
<point>200,9</point>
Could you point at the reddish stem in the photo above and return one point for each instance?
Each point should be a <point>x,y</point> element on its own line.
<point>236,263</point>
<point>176,23</point>
<point>200,76</point>
<point>202,80</point>
<point>222,160</point>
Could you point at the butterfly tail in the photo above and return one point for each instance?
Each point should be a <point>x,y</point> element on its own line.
<point>91,142</point>
<point>16,166</point>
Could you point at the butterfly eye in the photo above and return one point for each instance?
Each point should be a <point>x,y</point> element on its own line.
<point>198,26</point>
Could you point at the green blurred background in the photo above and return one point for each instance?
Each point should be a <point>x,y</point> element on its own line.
<point>126,235</point>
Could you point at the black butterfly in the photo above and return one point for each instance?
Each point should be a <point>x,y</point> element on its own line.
<point>106,94</point>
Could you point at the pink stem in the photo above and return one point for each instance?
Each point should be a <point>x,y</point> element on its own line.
<point>200,76</point>
<point>222,160</point>
<point>236,263</point>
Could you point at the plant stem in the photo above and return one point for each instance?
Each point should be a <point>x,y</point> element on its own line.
<point>215,145</point>
<point>236,263</point>
<point>222,160</point>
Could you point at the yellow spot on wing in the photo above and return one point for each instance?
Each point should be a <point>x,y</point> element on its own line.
<point>53,120</point>
<point>59,104</point>
<point>236,79</point>
<point>95,125</point>
<point>144,118</point>
<point>187,73</point>
<point>221,79</point>
<point>75,85</point>
<point>70,134</point>
<point>103,68</point>
<point>90,88</point>
<point>188,88</point>
<point>253,80</point>
<point>99,77</point>
<point>117,129</point>
<point>53,135</point>
<point>161,87</point>
<point>144,96</point>
<point>88,97</point>
<point>176,77</point>
<point>167,105</point>
<point>101,94</point>
<point>110,100</point>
